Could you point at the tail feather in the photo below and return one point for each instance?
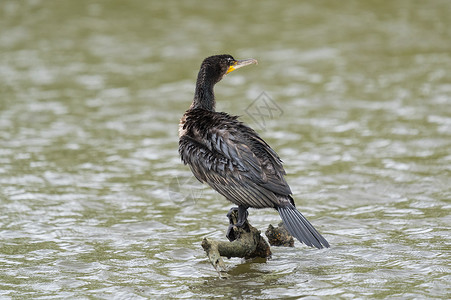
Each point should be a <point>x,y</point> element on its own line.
<point>300,227</point>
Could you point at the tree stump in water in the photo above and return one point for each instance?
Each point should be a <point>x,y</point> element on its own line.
<point>279,236</point>
<point>247,243</point>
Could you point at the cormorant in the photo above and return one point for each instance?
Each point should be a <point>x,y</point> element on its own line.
<point>233,159</point>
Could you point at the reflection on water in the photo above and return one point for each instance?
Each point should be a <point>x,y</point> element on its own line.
<point>94,199</point>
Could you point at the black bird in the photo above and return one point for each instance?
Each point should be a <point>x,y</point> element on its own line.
<point>233,159</point>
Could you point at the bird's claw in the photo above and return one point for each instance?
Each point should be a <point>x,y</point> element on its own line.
<point>231,233</point>
<point>237,219</point>
<point>230,215</point>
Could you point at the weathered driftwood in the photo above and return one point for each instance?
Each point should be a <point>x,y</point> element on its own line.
<point>247,243</point>
<point>279,236</point>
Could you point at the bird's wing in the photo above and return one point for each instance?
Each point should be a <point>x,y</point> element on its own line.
<point>238,164</point>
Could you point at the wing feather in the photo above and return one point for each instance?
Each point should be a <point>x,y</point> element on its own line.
<point>232,159</point>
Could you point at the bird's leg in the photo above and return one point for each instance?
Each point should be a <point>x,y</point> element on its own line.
<point>240,221</point>
<point>242,216</point>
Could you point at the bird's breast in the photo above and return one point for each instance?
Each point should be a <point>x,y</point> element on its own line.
<point>182,129</point>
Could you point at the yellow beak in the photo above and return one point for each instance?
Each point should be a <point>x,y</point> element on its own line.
<point>241,63</point>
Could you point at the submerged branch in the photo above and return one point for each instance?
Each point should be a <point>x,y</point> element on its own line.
<point>248,244</point>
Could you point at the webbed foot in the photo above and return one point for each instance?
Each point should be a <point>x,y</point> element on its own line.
<point>237,218</point>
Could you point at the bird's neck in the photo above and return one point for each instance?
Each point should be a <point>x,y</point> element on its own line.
<point>204,96</point>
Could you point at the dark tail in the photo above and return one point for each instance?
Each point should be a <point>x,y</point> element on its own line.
<point>300,227</point>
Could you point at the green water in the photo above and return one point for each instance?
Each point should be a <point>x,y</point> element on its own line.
<point>96,204</point>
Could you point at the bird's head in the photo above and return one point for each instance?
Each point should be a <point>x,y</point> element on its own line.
<point>217,66</point>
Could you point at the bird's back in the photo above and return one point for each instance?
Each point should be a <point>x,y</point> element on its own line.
<point>232,158</point>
